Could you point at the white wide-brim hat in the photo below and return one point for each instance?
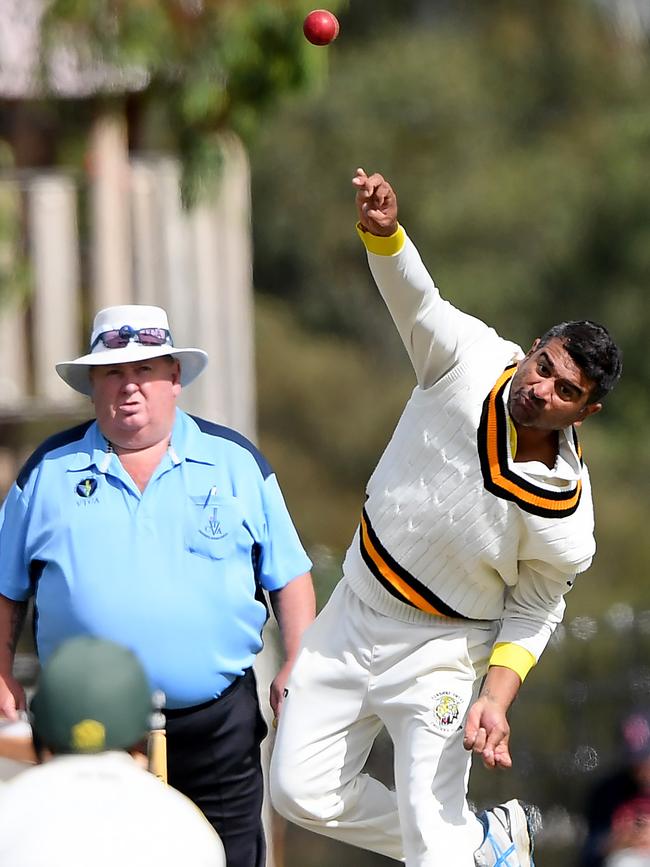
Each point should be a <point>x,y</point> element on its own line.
<point>131,323</point>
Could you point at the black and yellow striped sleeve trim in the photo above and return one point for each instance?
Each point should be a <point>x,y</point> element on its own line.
<point>498,478</point>
<point>395,579</point>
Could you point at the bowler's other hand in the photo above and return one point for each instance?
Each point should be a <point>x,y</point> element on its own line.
<point>376,203</point>
<point>487,732</point>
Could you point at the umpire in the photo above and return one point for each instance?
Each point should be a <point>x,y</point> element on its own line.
<point>159,531</point>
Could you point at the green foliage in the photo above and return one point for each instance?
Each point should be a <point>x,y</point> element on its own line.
<point>212,66</point>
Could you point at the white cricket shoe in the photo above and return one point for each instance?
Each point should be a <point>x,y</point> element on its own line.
<point>508,839</point>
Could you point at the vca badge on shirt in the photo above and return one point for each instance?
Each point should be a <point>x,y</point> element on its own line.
<point>85,491</point>
<point>217,520</point>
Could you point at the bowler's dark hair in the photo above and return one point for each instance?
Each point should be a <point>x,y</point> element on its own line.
<point>591,346</point>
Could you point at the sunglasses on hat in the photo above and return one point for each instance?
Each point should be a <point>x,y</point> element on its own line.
<point>118,338</point>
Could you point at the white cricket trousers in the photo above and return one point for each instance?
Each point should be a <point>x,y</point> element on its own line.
<point>356,672</point>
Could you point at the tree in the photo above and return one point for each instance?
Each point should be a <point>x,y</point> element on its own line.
<point>211,66</point>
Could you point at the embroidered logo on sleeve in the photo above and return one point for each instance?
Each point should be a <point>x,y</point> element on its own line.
<point>446,711</point>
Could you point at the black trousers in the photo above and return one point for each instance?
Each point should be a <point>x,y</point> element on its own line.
<point>213,757</point>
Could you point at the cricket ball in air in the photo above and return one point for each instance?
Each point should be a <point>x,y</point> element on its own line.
<point>321,27</point>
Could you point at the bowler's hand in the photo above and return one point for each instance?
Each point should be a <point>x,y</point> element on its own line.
<point>376,203</point>
<point>487,733</point>
<point>12,698</point>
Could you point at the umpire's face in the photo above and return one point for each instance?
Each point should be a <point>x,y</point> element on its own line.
<point>549,390</point>
<point>135,403</point>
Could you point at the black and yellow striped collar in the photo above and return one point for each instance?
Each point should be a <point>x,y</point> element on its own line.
<point>498,477</point>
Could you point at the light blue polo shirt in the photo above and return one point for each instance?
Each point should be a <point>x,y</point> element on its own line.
<point>173,572</point>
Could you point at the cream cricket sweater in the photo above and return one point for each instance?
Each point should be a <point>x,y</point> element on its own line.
<point>452,526</point>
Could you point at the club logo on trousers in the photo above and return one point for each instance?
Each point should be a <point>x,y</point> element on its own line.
<point>446,710</point>
<point>86,488</point>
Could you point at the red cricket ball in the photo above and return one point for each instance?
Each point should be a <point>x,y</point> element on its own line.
<point>321,27</point>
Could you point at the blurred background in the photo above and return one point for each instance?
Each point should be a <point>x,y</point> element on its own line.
<point>198,154</point>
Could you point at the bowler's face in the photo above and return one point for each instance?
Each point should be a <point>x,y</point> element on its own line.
<point>549,390</point>
<point>135,402</point>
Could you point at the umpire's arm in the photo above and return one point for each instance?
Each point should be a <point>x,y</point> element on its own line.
<point>294,606</point>
<point>12,617</point>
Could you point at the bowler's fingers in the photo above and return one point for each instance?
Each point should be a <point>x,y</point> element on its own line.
<point>473,727</point>
<point>497,758</point>
<point>475,738</point>
<point>360,177</point>
<point>379,217</point>
<point>496,752</point>
<point>502,757</point>
<point>373,191</point>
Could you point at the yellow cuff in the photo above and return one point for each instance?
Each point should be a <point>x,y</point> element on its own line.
<point>513,656</point>
<point>382,245</point>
